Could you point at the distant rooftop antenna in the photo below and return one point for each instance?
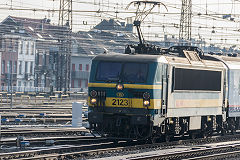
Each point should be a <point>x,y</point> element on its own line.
<point>142,13</point>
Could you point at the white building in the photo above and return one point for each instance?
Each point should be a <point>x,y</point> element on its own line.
<point>26,62</point>
<point>80,69</point>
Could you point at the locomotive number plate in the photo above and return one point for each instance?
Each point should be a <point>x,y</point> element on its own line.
<point>120,102</point>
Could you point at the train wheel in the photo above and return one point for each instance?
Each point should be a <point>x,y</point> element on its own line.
<point>153,140</point>
<point>167,138</point>
<point>232,126</point>
<point>142,131</point>
<point>224,129</point>
<point>233,130</point>
<point>204,135</point>
<point>193,135</point>
<point>223,132</point>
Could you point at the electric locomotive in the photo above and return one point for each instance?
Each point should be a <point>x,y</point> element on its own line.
<point>176,91</point>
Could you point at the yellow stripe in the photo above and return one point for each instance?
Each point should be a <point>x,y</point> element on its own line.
<point>108,85</point>
<point>195,103</point>
<point>130,103</point>
<point>136,86</point>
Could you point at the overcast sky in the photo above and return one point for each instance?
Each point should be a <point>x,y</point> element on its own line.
<point>207,16</point>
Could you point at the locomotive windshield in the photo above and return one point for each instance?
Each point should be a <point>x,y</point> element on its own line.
<point>134,72</point>
<point>108,71</point>
<point>130,72</point>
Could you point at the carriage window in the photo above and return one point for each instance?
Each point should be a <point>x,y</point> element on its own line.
<point>135,72</point>
<point>189,79</point>
<point>108,71</point>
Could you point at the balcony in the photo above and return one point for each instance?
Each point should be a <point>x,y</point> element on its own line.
<point>80,74</point>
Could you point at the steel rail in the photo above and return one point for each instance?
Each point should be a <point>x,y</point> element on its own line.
<point>71,152</point>
<point>44,133</point>
<point>50,151</point>
<point>57,140</point>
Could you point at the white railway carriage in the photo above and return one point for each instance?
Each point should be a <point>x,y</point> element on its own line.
<point>233,85</point>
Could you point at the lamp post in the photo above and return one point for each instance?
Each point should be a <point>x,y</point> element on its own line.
<point>11,86</point>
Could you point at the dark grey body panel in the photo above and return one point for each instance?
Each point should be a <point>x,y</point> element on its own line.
<point>136,116</point>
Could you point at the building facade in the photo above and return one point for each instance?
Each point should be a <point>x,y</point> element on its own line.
<point>26,63</point>
<point>80,70</point>
<point>17,62</point>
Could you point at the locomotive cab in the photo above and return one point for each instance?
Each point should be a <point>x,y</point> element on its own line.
<point>124,95</point>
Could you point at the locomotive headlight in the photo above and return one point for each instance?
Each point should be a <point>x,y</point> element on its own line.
<point>93,100</point>
<point>119,87</point>
<point>93,93</point>
<point>146,102</point>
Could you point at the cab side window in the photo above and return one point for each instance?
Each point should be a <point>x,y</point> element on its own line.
<point>158,75</point>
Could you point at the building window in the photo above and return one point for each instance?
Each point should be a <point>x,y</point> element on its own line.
<point>26,67</point>
<point>15,67</point>
<point>4,44</point>
<point>44,60</point>
<point>30,84</point>
<point>20,67</point>
<point>31,68</point>
<point>80,67</point>
<point>1,43</point>
<point>86,83</point>
<point>20,47</point>
<point>79,83</point>
<point>9,67</point>
<point>27,48</point>
<point>19,84</point>
<point>37,59</point>
<point>10,46</point>
<point>3,67</point>
<point>25,84</point>
<point>87,67</point>
<point>72,84</point>
<point>73,67</point>
<point>32,48</point>
<point>15,46</point>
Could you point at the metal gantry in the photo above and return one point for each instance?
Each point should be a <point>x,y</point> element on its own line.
<point>186,20</point>
<point>65,13</point>
<point>63,74</point>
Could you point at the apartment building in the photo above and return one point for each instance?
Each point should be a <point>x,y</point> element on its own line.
<point>80,69</point>
<point>17,61</point>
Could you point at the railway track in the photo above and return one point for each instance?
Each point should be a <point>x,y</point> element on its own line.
<point>54,150</point>
<point>37,132</point>
<point>53,115</point>
<point>61,140</point>
<point>104,150</point>
<point>217,152</point>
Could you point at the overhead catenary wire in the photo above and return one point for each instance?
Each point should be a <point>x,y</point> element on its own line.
<point>173,15</point>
